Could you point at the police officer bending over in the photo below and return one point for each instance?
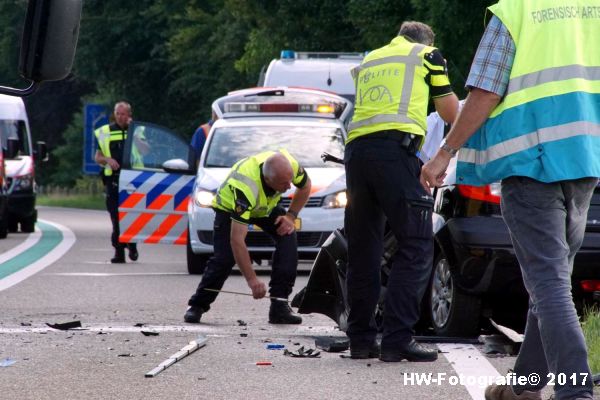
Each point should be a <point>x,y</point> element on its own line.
<point>250,195</point>
<point>393,86</point>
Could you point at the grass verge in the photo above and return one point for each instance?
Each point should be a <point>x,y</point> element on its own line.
<point>591,331</point>
<point>86,201</point>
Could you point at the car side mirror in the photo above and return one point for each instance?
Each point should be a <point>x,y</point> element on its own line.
<point>41,151</point>
<point>12,148</point>
<point>48,43</point>
<point>178,166</point>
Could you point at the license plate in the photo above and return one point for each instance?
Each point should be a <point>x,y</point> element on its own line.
<point>256,228</point>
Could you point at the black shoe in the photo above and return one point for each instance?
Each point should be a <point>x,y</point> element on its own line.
<point>133,253</point>
<point>193,315</point>
<point>281,313</point>
<point>364,352</point>
<point>411,351</point>
<point>119,257</point>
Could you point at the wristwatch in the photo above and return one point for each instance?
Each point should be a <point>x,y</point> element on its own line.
<point>450,150</point>
<point>292,213</point>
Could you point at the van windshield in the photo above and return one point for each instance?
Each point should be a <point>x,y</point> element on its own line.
<point>15,129</point>
<point>306,143</point>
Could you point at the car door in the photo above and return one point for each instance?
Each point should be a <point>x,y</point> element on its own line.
<point>155,185</point>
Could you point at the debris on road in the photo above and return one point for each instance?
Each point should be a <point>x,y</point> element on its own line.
<point>332,344</point>
<point>264,363</point>
<point>302,353</point>
<point>498,345</point>
<point>125,355</point>
<point>184,352</point>
<point>65,326</point>
<point>509,333</point>
<point>149,333</point>
<point>241,322</point>
<point>275,346</point>
<point>243,334</point>
<point>139,324</point>
<point>7,362</point>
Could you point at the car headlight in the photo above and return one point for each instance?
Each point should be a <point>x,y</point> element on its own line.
<point>203,197</point>
<point>335,200</point>
<point>23,182</point>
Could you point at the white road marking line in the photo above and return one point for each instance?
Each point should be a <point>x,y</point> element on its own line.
<point>31,240</point>
<point>468,362</point>
<point>202,328</point>
<point>115,273</point>
<point>54,255</point>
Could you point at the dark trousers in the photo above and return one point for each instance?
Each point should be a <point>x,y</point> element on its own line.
<point>218,268</point>
<point>111,186</point>
<point>382,177</point>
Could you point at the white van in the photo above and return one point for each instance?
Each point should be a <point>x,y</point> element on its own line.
<point>316,70</point>
<point>20,176</point>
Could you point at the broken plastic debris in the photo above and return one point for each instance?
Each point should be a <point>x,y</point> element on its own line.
<point>139,324</point>
<point>149,333</point>
<point>241,322</point>
<point>66,325</point>
<point>264,363</point>
<point>243,334</point>
<point>275,346</point>
<point>332,344</point>
<point>302,353</point>
<point>125,355</point>
<point>7,362</point>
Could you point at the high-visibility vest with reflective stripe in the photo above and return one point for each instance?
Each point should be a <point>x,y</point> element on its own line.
<point>548,125</point>
<point>104,136</point>
<point>391,92</point>
<point>245,176</point>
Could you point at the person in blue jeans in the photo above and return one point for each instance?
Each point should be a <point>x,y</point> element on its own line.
<point>532,120</point>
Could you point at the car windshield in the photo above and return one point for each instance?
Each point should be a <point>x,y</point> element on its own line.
<point>306,143</point>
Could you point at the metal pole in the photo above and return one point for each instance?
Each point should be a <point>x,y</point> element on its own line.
<point>245,294</point>
<point>184,352</point>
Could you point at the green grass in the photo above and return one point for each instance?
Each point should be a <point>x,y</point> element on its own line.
<point>87,201</point>
<point>591,331</point>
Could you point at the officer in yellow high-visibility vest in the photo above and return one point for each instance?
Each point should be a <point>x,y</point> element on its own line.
<point>532,121</point>
<point>111,140</point>
<point>249,196</point>
<point>393,87</point>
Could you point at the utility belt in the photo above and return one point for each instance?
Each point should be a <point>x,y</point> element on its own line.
<point>409,141</point>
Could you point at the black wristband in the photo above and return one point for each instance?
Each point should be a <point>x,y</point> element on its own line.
<point>294,213</point>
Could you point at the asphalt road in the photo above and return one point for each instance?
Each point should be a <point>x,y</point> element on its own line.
<point>109,356</point>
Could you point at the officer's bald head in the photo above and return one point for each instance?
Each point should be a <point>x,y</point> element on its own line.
<point>278,172</point>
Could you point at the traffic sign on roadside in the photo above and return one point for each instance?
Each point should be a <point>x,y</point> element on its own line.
<point>94,116</point>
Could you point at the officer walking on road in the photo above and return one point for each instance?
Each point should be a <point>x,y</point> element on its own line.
<point>531,121</point>
<point>393,86</point>
<point>111,140</point>
<point>249,195</point>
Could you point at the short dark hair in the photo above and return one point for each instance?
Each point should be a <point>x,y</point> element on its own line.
<point>417,32</point>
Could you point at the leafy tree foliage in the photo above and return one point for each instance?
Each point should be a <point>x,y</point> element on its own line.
<point>171,58</point>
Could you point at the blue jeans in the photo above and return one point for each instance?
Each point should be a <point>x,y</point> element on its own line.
<point>547,224</point>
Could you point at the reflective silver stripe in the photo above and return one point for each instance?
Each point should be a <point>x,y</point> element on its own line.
<point>409,79</point>
<point>552,75</point>
<point>381,118</point>
<point>412,61</point>
<point>528,141</point>
<point>234,174</point>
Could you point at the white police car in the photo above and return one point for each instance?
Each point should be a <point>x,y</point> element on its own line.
<point>154,205</point>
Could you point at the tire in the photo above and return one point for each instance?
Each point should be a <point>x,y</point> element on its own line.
<point>27,226</point>
<point>13,224</point>
<point>196,263</point>
<point>450,311</point>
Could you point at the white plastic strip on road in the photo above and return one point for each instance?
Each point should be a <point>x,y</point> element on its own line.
<point>54,255</point>
<point>471,366</point>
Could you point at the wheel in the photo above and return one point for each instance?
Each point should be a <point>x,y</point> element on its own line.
<point>451,311</point>
<point>13,224</point>
<point>196,263</point>
<point>27,226</point>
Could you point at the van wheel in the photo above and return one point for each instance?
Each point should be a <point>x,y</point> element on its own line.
<point>27,226</point>
<point>196,263</point>
<point>451,311</point>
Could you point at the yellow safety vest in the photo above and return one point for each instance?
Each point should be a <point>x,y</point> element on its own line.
<point>547,126</point>
<point>391,91</point>
<point>104,136</point>
<point>245,176</point>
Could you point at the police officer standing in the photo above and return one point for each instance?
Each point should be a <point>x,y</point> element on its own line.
<point>111,140</point>
<point>393,86</point>
<point>249,195</point>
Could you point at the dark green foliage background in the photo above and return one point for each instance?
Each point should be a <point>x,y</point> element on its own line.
<point>172,58</point>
